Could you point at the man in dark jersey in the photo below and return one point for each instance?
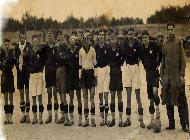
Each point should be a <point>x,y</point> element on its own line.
<point>61,53</point>
<point>36,81</point>
<point>61,45</point>
<point>131,73</point>
<point>151,58</point>
<point>103,71</point>
<point>23,76</point>
<point>50,75</point>
<point>7,62</point>
<point>73,79</point>
<point>115,86</point>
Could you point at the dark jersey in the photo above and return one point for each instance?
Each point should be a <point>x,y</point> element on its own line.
<point>131,54</point>
<point>7,60</point>
<point>36,60</point>
<point>115,58</point>
<point>73,59</point>
<point>49,56</point>
<point>61,55</point>
<point>151,56</point>
<point>79,44</point>
<point>102,56</point>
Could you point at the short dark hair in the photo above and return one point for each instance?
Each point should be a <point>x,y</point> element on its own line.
<point>131,29</point>
<point>102,30</point>
<point>22,32</point>
<point>58,32</point>
<point>14,44</point>
<point>6,40</point>
<point>50,32</point>
<point>145,32</point>
<point>87,31</point>
<point>74,32</point>
<point>124,31</point>
<point>35,36</point>
<point>171,23</point>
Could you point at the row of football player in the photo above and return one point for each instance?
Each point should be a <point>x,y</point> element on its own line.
<point>77,65</point>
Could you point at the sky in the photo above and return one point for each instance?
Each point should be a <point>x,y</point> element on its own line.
<point>60,9</point>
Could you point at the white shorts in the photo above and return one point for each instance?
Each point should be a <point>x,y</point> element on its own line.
<point>36,84</point>
<point>131,76</point>
<point>103,79</point>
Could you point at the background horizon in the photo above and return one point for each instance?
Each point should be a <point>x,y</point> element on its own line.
<point>60,9</point>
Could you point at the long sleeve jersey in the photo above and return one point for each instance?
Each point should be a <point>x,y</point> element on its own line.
<point>102,56</point>
<point>7,60</point>
<point>37,60</point>
<point>131,54</point>
<point>151,56</point>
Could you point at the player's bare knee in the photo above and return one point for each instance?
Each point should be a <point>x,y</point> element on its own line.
<point>33,100</point>
<point>155,91</point>
<point>40,99</point>
<point>11,98</point>
<point>106,97</point>
<point>6,98</point>
<point>119,95</point>
<point>129,89</point>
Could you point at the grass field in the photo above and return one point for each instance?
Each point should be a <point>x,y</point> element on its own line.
<point>60,132</point>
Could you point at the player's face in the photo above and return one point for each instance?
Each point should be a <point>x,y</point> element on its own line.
<point>113,41</point>
<point>130,35</point>
<point>87,38</point>
<point>7,45</point>
<point>59,38</point>
<point>22,38</point>
<point>72,40</point>
<point>35,41</point>
<point>50,38</point>
<point>107,36</point>
<point>72,43</point>
<point>145,39</point>
<point>95,37</point>
<point>170,31</point>
<point>101,36</point>
<point>160,39</point>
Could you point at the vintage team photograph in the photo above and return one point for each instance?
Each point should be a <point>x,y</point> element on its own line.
<point>94,69</point>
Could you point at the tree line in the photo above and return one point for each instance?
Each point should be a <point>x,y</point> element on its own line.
<point>172,13</point>
<point>30,22</point>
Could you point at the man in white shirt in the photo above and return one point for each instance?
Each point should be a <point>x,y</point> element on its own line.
<point>87,74</point>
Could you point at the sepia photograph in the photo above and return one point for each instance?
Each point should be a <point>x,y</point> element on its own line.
<point>94,69</point>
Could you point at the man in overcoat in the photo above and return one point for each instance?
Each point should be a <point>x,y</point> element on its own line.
<point>172,76</point>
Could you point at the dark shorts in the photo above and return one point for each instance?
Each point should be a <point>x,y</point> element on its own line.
<point>7,83</point>
<point>88,79</point>
<point>50,78</point>
<point>115,79</point>
<point>23,79</point>
<point>152,79</point>
<point>73,80</point>
<point>61,79</point>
